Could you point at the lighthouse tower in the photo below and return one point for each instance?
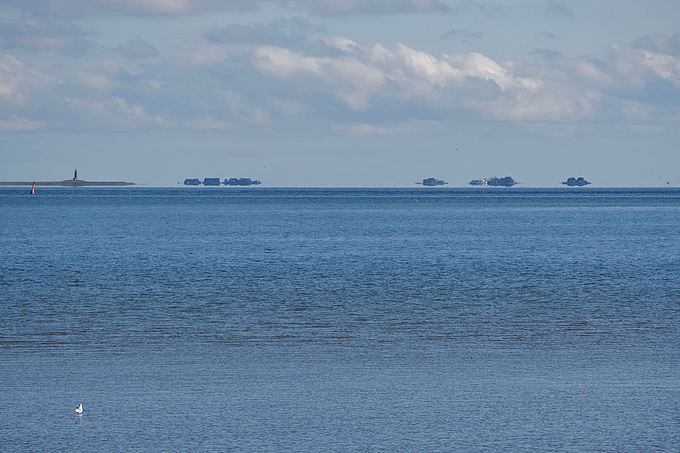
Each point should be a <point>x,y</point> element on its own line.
<point>75,175</point>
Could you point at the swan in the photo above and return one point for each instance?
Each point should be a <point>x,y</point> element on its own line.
<point>79,409</point>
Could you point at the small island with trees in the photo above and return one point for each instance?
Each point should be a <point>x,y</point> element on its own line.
<point>576,182</point>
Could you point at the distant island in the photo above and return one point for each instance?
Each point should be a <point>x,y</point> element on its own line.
<point>75,182</point>
<point>227,182</point>
<point>506,181</point>
<point>579,182</point>
<point>431,182</point>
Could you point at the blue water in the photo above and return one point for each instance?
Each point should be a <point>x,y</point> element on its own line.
<point>308,320</point>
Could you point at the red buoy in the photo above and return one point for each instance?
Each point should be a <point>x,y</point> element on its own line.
<point>33,188</point>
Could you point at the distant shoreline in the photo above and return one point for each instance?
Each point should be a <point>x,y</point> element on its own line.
<point>488,189</point>
<point>69,183</point>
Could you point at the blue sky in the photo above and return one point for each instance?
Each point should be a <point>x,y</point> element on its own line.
<point>341,92</point>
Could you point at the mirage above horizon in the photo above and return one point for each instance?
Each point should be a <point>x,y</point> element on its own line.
<point>506,181</point>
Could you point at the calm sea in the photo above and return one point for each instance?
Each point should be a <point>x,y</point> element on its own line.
<point>308,320</point>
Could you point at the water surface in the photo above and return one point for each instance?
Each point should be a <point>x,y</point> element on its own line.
<point>260,319</point>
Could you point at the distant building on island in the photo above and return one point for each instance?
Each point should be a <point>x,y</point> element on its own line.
<point>241,182</point>
<point>73,182</point>
<point>578,182</point>
<point>506,181</point>
<point>213,182</point>
<point>431,182</point>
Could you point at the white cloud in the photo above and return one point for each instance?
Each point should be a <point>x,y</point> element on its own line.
<point>539,106</point>
<point>16,80</point>
<point>341,43</point>
<point>370,7</point>
<point>665,66</point>
<point>592,74</point>
<point>423,66</point>
<point>659,43</point>
<point>354,81</point>
<point>155,6</point>
<point>639,68</point>
<point>117,112</point>
<point>423,78</point>
<point>283,63</point>
<point>161,7</point>
<point>183,7</point>
<point>216,86</point>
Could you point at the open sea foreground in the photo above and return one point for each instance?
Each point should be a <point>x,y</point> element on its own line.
<point>339,320</point>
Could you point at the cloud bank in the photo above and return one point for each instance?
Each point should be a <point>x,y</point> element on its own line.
<point>184,7</point>
<point>289,71</point>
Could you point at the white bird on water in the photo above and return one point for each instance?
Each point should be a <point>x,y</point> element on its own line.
<point>79,409</point>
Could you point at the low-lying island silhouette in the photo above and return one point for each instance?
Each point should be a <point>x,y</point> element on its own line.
<point>75,182</point>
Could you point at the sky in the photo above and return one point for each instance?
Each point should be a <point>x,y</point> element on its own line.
<point>341,93</point>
